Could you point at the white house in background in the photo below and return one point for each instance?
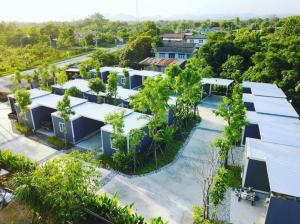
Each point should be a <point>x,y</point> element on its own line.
<point>198,40</point>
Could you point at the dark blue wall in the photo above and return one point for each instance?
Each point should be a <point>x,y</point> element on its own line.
<point>104,76</point>
<point>205,90</point>
<point>247,90</point>
<point>136,81</point>
<point>58,91</point>
<point>41,114</point>
<point>283,211</point>
<point>257,176</point>
<point>106,145</point>
<point>12,102</point>
<point>90,97</point>
<point>171,114</point>
<point>84,126</point>
<point>58,133</point>
<point>145,143</point>
<point>249,106</point>
<point>251,131</point>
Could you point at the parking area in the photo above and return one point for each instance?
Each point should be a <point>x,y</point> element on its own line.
<point>18,143</point>
<point>244,213</point>
<point>173,190</point>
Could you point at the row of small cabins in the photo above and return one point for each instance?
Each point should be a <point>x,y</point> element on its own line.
<point>272,150</point>
<point>89,115</point>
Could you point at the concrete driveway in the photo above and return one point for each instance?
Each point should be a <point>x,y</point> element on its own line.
<point>18,143</point>
<point>172,191</point>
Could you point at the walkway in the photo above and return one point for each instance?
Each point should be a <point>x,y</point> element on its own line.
<point>172,191</point>
<point>18,143</point>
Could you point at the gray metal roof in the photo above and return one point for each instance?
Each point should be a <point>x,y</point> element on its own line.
<point>80,84</point>
<point>282,165</point>
<point>34,93</point>
<point>264,89</point>
<point>132,121</point>
<point>51,101</point>
<point>277,129</point>
<point>217,81</point>
<point>271,105</point>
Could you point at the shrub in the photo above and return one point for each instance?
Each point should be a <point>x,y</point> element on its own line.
<point>58,143</point>
<point>122,160</point>
<point>16,162</point>
<point>75,92</point>
<point>234,176</point>
<point>23,129</point>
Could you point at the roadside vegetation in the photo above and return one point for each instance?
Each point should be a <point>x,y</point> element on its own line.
<point>74,198</point>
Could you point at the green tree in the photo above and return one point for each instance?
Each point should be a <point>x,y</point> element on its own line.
<point>23,100</point>
<point>64,110</point>
<point>233,68</point>
<point>97,85</point>
<point>136,51</point>
<point>61,77</point>
<point>219,187</point>
<point>112,85</point>
<point>186,84</point>
<point>154,98</point>
<point>66,37</point>
<point>76,181</point>
<point>135,138</point>
<point>126,75</point>
<point>53,70</point>
<point>84,70</point>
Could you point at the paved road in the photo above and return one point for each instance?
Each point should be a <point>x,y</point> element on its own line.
<point>172,191</point>
<point>6,84</point>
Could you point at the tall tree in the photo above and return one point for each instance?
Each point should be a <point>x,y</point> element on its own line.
<point>135,138</point>
<point>126,75</point>
<point>112,85</point>
<point>76,181</point>
<point>61,77</point>
<point>23,100</point>
<point>65,111</point>
<point>97,85</point>
<point>154,99</point>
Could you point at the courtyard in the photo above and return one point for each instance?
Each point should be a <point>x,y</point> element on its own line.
<point>171,191</point>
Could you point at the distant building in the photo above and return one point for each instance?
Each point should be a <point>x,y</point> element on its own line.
<point>173,37</point>
<point>198,40</point>
<point>175,50</point>
<point>209,30</point>
<point>160,64</point>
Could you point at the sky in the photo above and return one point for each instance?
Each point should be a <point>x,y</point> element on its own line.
<point>62,10</point>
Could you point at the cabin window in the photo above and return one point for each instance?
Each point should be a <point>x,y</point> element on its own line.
<point>61,126</point>
<point>123,80</point>
<point>111,143</point>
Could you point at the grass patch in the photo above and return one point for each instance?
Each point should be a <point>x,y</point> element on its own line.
<point>147,164</point>
<point>58,143</point>
<point>23,129</point>
<point>234,176</point>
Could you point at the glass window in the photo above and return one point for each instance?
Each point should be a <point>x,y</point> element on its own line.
<point>172,55</point>
<point>123,80</point>
<point>181,56</point>
<point>61,126</point>
<point>161,55</point>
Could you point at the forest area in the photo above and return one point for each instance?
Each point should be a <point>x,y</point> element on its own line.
<point>263,50</point>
